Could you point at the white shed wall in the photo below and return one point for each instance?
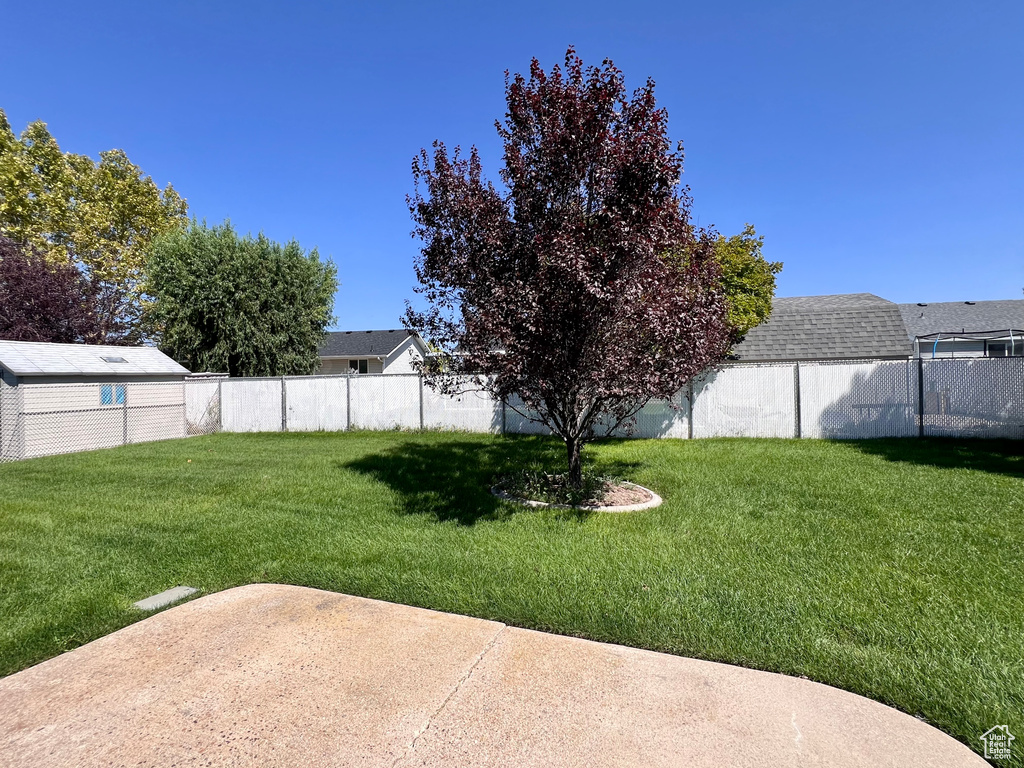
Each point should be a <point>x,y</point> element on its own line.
<point>65,418</point>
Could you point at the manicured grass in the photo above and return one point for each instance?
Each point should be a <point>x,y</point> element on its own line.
<point>894,569</point>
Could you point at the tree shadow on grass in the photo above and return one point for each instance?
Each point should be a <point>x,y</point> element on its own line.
<point>1001,457</point>
<point>451,479</point>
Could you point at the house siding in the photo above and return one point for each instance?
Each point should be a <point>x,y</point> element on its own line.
<point>402,359</point>
<point>952,348</point>
<point>330,367</point>
<point>341,365</point>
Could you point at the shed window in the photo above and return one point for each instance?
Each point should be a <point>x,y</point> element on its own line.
<point>112,394</point>
<point>357,366</point>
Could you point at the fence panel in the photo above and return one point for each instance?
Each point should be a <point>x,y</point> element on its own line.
<point>68,418</point>
<point>11,423</point>
<point>974,397</point>
<point>251,405</point>
<point>470,411</point>
<point>848,401</point>
<point>385,401</point>
<point>155,411</point>
<point>520,420</point>
<point>317,403</point>
<point>202,406</point>
<point>745,401</point>
<point>659,418</point>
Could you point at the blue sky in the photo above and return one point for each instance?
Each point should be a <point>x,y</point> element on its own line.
<point>877,146</point>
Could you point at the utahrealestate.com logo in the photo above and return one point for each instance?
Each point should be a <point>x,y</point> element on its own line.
<point>997,742</point>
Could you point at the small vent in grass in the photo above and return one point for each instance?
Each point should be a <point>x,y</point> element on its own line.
<point>165,598</point>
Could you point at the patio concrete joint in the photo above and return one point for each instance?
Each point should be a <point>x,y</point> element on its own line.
<point>451,694</point>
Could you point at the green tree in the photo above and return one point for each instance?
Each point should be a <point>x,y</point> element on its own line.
<point>246,306</point>
<point>103,216</point>
<point>748,279</point>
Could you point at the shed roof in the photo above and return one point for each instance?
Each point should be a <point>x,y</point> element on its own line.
<point>35,358</point>
<point>363,343</point>
<point>959,316</point>
<point>837,327</point>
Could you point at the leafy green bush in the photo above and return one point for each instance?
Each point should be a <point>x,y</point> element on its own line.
<point>536,484</point>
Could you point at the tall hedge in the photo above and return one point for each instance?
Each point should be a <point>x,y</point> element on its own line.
<point>246,306</point>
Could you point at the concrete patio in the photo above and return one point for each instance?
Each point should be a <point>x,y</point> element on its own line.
<point>270,675</point>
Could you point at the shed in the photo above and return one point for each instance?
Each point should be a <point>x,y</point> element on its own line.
<point>61,398</point>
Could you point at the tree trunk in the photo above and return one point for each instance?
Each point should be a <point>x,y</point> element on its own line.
<point>574,449</point>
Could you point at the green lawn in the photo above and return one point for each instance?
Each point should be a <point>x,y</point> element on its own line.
<point>894,569</point>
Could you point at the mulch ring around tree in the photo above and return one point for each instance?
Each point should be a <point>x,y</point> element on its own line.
<point>609,496</point>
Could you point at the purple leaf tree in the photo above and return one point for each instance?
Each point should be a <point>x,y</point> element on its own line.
<point>579,287</point>
<point>44,301</point>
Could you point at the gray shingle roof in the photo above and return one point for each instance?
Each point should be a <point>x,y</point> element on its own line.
<point>362,343</point>
<point>954,316</point>
<point>844,326</point>
<point>34,358</point>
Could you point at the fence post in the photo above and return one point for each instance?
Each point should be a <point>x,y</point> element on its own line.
<point>20,447</point>
<point>124,413</point>
<point>220,405</point>
<point>284,405</point>
<point>503,427</point>
<point>689,399</point>
<point>348,402</point>
<point>420,377</point>
<point>796,396</point>
<point>920,395</point>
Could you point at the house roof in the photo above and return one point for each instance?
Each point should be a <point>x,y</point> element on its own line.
<point>962,316</point>
<point>363,343</point>
<point>838,327</point>
<point>35,358</point>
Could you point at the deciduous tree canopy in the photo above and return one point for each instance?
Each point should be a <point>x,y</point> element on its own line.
<point>581,286</point>
<point>748,280</point>
<point>41,300</point>
<point>101,215</point>
<point>246,306</point>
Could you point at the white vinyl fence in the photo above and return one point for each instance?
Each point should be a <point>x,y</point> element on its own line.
<point>980,397</point>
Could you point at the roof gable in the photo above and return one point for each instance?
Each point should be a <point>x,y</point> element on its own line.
<point>365,343</point>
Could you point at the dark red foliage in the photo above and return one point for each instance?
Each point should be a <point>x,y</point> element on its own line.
<point>581,286</point>
<point>40,301</point>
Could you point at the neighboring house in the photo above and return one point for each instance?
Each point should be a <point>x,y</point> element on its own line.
<point>966,328</point>
<point>392,351</point>
<point>841,327</point>
<point>56,398</point>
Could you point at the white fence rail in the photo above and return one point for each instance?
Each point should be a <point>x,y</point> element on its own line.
<point>981,397</point>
